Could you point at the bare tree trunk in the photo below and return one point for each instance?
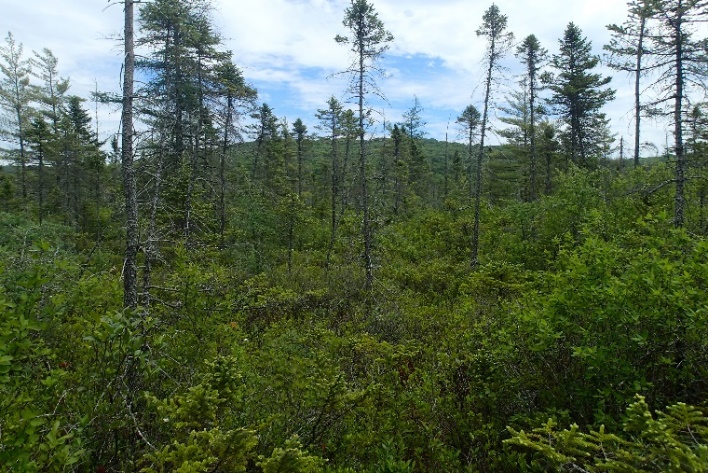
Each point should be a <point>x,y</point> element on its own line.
<point>549,170</point>
<point>299,166</point>
<point>189,205</point>
<point>291,231</point>
<point>41,182</point>
<point>23,154</point>
<point>532,132</point>
<point>222,171</point>
<point>130,288</point>
<point>366,226</point>
<point>344,188</point>
<point>478,168</point>
<point>637,91</point>
<point>150,248</point>
<point>446,189</point>
<point>335,191</point>
<point>679,198</point>
<point>397,173</point>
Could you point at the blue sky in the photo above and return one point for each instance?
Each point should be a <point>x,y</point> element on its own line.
<point>287,51</point>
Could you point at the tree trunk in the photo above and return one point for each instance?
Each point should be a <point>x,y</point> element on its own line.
<point>150,248</point>
<point>637,91</point>
<point>532,132</point>
<point>397,173</point>
<point>366,228</point>
<point>222,172</point>
<point>41,182</point>
<point>194,159</point>
<point>299,167</point>
<point>480,155</point>
<point>335,191</point>
<point>130,288</point>
<point>679,198</point>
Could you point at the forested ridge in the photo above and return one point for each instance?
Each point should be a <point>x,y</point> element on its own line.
<point>217,289</point>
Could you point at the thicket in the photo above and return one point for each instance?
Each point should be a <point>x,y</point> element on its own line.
<point>263,342</point>
<point>585,299</point>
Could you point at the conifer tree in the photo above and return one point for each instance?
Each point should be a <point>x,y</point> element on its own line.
<point>300,130</point>
<point>469,120</point>
<point>268,165</point>
<point>514,172</point>
<point>548,147</point>
<point>51,94</point>
<point>350,133</point>
<point>399,168</point>
<point>39,138</point>
<point>579,93</point>
<point>130,273</point>
<point>626,53</point>
<point>15,98</point>
<point>499,41</point>
<point>368,41</point>
<point>82,163</point>
<point>418,168</point>
<point>330,119</point>
<point>680,60</point>
<point>235,96</point>
<point>533,57</point>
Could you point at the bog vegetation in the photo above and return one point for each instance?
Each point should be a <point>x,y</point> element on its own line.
<point>342,302</point>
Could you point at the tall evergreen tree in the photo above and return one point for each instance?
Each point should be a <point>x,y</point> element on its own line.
<point>80,162</point>
<point>400,172</point>
<point>15,97</point>
<point>130,273</point>
<point>579,93</point>
<point>680,60</point>
<point>512,173</point>
<point>183,58</point>
<point>52,101</point>
<point>548,148</point>
<point>52,93</point>
<point>499,41</point>
<point>626,53</point>
<point>234,96</point>
<point>418,168</point>
<point>368,41</point>
<point>533,57</point>
<point>330,119</point>
<point>300,131</point>
<point>268,165</point>
<point>39,138</point>
<point>469,121</point>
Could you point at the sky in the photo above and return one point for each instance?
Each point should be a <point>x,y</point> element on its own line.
<point>286,49</point>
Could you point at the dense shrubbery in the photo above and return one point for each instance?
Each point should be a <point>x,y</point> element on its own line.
<point>585,299</point>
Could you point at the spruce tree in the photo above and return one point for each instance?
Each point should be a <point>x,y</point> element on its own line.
<point>578,93</point>
<point>130,273</point>
<point>368,41</point>
<point>533,57</point>
<point>330,119</point>
<point>399,167</point>
<point>39,137</point>
<point>469,121</point>
<point>16,94</point>
<point>418,169</point>
<point>680,60</point>
<point>626,52</point>
<point>300,131</point>
<point>499,41</point>
<point>51,94</point>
